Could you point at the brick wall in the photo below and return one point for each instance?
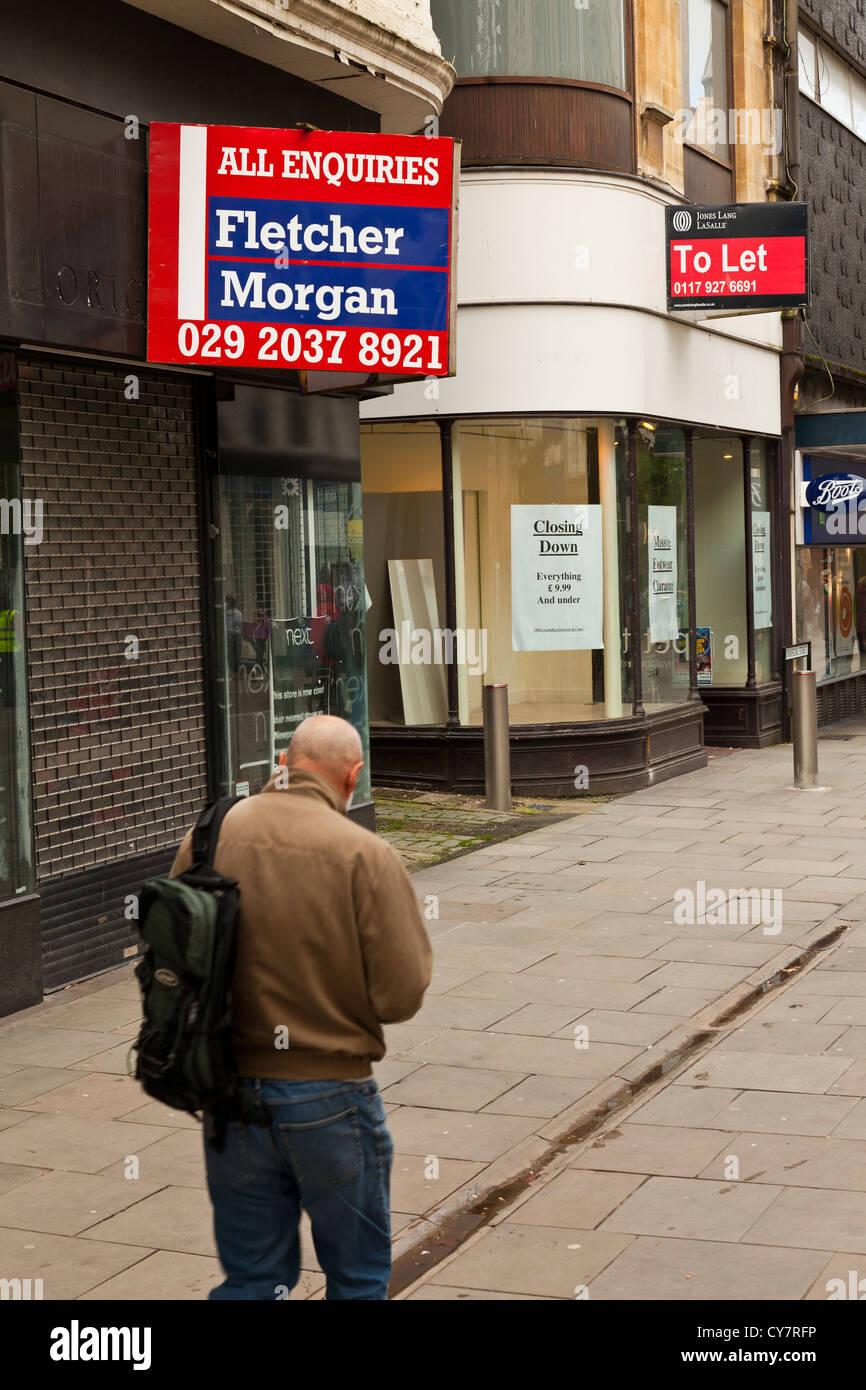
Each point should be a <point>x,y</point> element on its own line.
<point>117,744</point>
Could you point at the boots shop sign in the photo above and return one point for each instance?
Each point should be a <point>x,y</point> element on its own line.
<point>316,251</point>
<point>741,258</point>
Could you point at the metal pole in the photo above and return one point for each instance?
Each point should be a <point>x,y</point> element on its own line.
<point>497,750</point>
<point>805,729</point>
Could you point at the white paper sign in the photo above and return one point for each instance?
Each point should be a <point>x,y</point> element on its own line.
<point>662,547</point>
<point>556,578</point>
<point>761,581</point>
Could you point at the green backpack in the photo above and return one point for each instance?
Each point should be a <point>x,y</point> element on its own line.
<point>185,1048</point>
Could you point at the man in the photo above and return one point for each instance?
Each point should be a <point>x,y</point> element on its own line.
<point>331,945</point>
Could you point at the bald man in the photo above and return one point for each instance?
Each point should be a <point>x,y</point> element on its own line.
<point>330,945</point>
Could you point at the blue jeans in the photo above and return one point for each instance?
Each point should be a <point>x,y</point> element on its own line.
<point>327,1150</point>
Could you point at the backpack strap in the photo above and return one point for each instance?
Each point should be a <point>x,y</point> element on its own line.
<point>207,828</point>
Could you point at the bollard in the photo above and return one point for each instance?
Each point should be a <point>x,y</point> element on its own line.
<point>805,732</point>
<point>497,750</point>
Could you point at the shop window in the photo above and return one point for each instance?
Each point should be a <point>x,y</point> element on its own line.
<point>831,607</point>
<point>401,470</point>
<point>553,624</point>
<point>19,517</point>
<point>663,550</point>
<point>704,50</point>
<point>291,604</point>
<point>763,543</point>
<point>720,560</point>
<point>495,38</point>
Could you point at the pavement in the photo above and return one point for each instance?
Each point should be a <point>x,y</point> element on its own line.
<point>603,1095</point>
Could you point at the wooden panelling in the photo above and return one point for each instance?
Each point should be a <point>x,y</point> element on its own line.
<point>743,718</point>
<point>541,122</point>
<point>621,755</point>
<point>706,181</point>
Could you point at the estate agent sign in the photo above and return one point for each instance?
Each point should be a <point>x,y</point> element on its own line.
<point>740,258</point>
<point>319,251</point>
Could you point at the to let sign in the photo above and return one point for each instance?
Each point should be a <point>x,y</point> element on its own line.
<point>740,257</point>
<point>319,251</point>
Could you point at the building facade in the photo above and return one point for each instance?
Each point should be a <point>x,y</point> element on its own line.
<point>160,634</point>
<point>576,388</point>
<point>829,571</point>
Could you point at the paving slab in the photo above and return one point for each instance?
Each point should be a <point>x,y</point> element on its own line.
<point>67,1203</point>
<point>691,1209</point>
<point>509,1053</point>
<point>795,1038</point>
<point>539,1020</point>
<point>768,1071</point>
<point>694,1107</point>
<point>663,1270</point>
<point>662,1149</point>
<point>451,1088</point>
<point>548,1260</point>
<point>456,1134</point>
<point>442,1293</point>
<point>175,1218</point>
<point>794,1160</point>
<point>417,1184</point>
<point>542,1096</point>
<point>37,1046</point>
<point>629,1029</point>
<point>98,1094</point>
<point>74,1142</point>
<point>67,1265</point>
<point>576,1199</point>
<point>169,1275</point>
<point>806,1218</point>
<point>840,1279</point>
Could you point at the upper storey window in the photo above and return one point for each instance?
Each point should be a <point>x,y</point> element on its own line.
<point>704,45</point>
<point>535,38</point>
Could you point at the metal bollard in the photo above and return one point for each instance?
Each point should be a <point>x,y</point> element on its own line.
<point>497,750</point>
<point>805,731</point>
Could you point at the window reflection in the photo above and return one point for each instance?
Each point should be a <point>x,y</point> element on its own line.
<point>704,46</point>
<point>293,616</point>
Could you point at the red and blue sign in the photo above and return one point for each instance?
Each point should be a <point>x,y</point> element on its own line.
<point>314,251</point>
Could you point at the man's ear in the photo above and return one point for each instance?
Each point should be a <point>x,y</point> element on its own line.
<point>352,777</point>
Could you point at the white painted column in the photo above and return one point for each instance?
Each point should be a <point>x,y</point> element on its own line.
<point>610,568</point>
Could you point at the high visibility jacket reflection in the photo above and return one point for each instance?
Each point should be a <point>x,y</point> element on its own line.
<point>8,641</point>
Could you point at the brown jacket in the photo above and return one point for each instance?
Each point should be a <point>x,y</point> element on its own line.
<point>331,943</point>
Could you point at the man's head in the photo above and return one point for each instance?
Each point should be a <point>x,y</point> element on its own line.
<point>332,748</point>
